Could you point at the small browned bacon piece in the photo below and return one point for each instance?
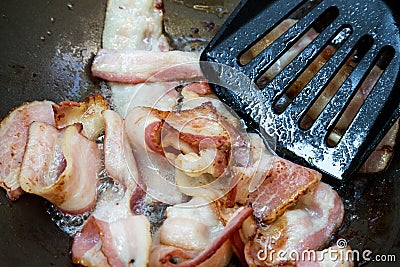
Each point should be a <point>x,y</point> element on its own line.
<point>88,113</point>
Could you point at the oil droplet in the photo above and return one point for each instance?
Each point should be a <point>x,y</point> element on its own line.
<point>70,6</point>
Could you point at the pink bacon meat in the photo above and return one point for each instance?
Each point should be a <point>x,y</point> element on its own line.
<point>141,66</point>
<point>13,138</point>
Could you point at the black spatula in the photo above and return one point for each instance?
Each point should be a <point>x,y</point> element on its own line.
<point>328,70</point>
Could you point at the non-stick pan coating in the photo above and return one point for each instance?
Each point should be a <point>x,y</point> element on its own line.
<point>46,51</point>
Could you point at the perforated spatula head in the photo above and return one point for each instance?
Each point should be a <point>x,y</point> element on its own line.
<point>328,70</point>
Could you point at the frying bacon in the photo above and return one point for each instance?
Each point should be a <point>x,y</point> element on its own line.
<point>201,134</point>
<point>139,66</point>
<point>118,157</point>
<point>88,113</point>
<point>287,178</point>
<point>200,88</point>
<point>135,25</point>
<point>132,25</point>
<point>86,249</point>
<point>201,242</point>
<point>123,242</point>
<point>383,153</point>
<point>267,175</point>
<point>195,140</point>
<point>190,225</point>
<point>156,171</point>
<point>308,224</point>
<point>13,138</point>
<point>61,166</point>
<point>114,231</point>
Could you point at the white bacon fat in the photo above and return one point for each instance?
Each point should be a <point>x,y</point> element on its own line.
<point>202,240</point>
<point>134,25</point>
<point>124,242</point>
<point>118,157</point>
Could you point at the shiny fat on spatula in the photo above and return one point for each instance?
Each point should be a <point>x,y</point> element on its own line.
<point>325,71</point>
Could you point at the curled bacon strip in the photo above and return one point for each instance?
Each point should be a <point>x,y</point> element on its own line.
<point>228,231</point>
<point>61,166</point>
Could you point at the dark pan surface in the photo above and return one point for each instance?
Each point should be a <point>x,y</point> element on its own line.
<point>46,51</point>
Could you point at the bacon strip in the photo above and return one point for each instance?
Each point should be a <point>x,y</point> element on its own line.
<point>307,225</point>
<point>133,25</point>
<point>157,172</point>
<point>121,236</point>
<point>200,88</point>
<point>13,138</point>
<point>61,166</point>
<point>86,246</point>
<point>233,225</point>
<point>124,242</point>
<point>139,66</point>
<point>203,129</point>
<point>285,183</point>
<point>118,157</point>
<point>270,184</point>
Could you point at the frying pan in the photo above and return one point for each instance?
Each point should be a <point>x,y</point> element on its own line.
<point>46,51</point>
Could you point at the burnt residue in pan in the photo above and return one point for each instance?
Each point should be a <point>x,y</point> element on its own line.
<point>47,49</point>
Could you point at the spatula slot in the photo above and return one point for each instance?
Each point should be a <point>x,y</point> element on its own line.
<point>276,31</point>
<point>382,61</point>
<point>292,50</point>
<point>283,101</point>
<point>335,82</point>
